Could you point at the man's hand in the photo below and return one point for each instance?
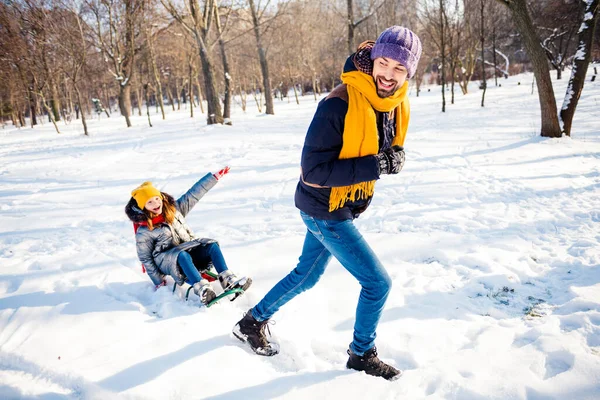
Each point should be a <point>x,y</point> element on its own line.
<point>220,174</point>
<point>391,160</point>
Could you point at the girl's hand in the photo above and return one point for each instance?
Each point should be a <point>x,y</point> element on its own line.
<point>220,174</point>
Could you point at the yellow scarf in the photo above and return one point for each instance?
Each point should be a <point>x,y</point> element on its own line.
<point>360,137</point>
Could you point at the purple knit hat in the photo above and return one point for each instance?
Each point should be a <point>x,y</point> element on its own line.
<point>400,44</point>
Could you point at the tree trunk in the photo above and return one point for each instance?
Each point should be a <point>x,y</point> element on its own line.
<point>32,108</point>
<point>78,95</point>
<point>200,97</point>
<point>443,51</point>
<point>48,110</point>
<point>191,92</point>
<point>125,102</point>
<point>87,108</point>
<point>155,74</point>
<point>184,95</point>
<point>580,64</point>
<point>54,100</point>
<point>483,81</point>
<point>243,96</point>
<point>2,113</point>
<point>213,115</point>
<point>191,85</point>
<point>452,69</point>
<point>106,100</point>
<point>264,65</point>
<point>294,84</point>
<point>170,96</point>
<point>138,99</point>
<point>226,72</point>
<point>494,53</point>
<point>69,97</point>
<point>549,114</point>
<point>146,97</point>
<point>257,100</point>
<point>177,94</point>
<point>351,27</point>
<point>22,118</point>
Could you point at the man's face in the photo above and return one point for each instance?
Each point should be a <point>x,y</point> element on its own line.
<point>389,76</point>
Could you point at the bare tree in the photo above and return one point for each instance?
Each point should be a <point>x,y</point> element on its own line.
<point>482,33</point>
<point>433,18</point>
<point>467,61</point>
<point>18,53</point>
<point>226,69</point>
<point>197,21</point>
<point>190,82</point>
<point>353,24</point>
<point>115,32</point>
<point>582,58</point>
<point>443,55</point>
<point>74,47</point>
<point>150,35</point>
<point>453,27</point>
<point>550,126</point>
<point>557,21</point>
<point>262,56</point>
<point>37,47</point>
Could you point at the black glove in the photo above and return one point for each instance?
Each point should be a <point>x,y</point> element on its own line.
<point>391,160</point>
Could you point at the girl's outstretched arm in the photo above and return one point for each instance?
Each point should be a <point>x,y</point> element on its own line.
<point>186,202</point>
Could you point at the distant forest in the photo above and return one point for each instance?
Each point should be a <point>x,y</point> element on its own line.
<point>72,59</point>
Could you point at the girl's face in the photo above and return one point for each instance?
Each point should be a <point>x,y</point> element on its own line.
<point>154,205</point>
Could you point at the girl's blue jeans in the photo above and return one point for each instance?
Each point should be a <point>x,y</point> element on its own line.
<point>341,239</point>
<point>208,252</point>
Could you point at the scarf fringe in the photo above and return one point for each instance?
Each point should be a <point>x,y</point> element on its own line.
<point>341,194</point>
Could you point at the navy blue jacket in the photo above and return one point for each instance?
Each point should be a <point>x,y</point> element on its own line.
<point>320,161</point>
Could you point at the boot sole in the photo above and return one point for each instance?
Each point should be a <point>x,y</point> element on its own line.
<point>244,288</point>
<point>391,379</point>
<point>244,339</point>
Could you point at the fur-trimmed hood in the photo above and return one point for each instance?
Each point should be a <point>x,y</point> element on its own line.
<point>136,215</point>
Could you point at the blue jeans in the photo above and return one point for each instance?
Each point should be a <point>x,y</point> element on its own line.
<point>341,239</point>
<point>204,253</point>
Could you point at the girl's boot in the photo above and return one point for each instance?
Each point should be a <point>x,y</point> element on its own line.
<point>204,291</point>
<point>229,280</point>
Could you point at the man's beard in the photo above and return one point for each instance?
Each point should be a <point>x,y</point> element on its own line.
<point>383,93</point>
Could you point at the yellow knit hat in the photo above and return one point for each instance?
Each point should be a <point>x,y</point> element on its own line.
<point>143,193</point>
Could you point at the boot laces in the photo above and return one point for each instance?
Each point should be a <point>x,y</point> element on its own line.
<point>264,326</point>
<point>373,361</point>
<point>260,327</point>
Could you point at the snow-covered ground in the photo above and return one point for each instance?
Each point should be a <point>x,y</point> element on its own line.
<point>490,233</point>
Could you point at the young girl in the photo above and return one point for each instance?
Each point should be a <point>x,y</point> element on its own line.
<point>167,246</point>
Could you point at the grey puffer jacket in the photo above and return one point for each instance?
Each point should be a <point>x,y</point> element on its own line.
<point>158,248</point>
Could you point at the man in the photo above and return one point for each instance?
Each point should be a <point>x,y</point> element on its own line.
<point>355,137</point>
